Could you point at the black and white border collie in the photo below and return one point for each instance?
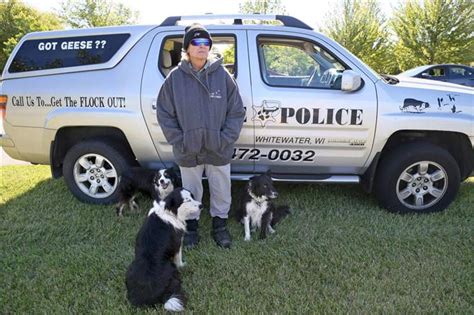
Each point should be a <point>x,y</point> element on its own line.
<point>257,209</point>
<point>157,184</point>
<point>153,277</point>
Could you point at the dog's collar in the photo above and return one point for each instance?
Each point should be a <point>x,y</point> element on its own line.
<point>258,200</point>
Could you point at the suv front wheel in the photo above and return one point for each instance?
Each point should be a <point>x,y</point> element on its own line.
<point>91,170</point>
<point>417,178</point>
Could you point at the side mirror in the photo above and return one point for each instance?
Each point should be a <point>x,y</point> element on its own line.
<point>351,81</point>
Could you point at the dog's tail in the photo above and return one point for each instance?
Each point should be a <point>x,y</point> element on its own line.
<point>174,304</point>
<point>280,213</point>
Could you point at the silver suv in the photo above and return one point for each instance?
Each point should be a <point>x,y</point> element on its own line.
<point>84,101</point>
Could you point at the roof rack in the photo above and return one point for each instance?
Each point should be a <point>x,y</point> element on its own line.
<point>238,18</point>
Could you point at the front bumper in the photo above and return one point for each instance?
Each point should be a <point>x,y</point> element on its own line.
<point>5,141</point>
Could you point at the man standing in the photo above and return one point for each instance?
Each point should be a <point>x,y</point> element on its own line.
<point>200,111</point>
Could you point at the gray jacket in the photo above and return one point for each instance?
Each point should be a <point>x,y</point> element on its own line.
<point>201,119</point>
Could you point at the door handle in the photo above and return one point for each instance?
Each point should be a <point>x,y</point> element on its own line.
<point>153,105</point>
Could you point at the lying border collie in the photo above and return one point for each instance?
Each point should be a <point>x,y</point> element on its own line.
<point>153,277</point>
<point>157,184</point>
<point>257,209</point>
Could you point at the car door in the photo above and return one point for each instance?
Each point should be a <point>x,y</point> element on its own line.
<point>164,55</point>
<point>304,122</point>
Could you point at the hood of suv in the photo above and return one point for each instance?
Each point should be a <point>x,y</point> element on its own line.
<point>428,98</point>
<point>432,84</point>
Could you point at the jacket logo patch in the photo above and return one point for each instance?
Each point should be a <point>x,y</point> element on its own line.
<point>216,94</point>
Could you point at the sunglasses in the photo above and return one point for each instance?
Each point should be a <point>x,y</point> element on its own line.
<point>200,41</point>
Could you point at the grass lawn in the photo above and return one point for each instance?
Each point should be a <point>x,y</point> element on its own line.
<point>338,253</point>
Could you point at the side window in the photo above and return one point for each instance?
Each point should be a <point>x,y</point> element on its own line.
<point>459,72</point>
<point>289,62</point>
<point>223,46</point>
<point>170,54</point>
<point>435,72</point>
<point>42,54</point>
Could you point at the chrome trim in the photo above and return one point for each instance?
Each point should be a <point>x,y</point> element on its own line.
<point>334,179</point>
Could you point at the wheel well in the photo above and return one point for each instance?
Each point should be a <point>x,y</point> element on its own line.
<point>457,144</point>
<point>69,136</point>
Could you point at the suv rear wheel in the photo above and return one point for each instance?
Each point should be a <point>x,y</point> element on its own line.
<point>91,170</point>
<point>417,178</point>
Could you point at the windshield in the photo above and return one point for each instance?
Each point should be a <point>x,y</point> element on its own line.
<point>413,72</point>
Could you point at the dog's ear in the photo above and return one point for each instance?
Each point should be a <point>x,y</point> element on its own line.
<point>249,184</point>
<point>175,178</point>
<point>156,177</point>
<point>175,169</point>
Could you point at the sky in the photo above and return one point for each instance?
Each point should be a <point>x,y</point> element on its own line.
<point>154,12</point>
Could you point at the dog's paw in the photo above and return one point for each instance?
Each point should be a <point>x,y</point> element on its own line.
<point>134,206</point>
<point>174,304</point>
<point>181,264</point>
<point>119,209</point>
<point>247,238</point>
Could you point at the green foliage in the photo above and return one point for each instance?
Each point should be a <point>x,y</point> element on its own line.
<point>229,55</point>
<point>361,27</point>
<point>436,31</point>
<point>420,32</point>
<point>18,19</point>
<point>94,13</point>
<point>288,61</point>
<point>282,60</point>
<point>262,7</point>
<point>338,253</point>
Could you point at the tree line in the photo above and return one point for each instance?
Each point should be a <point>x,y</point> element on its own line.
<point>418,32</point>
<point>18,19</point>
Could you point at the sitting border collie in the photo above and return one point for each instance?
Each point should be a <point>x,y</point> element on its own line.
<point>157,184</point>
<point>153,277</point>
<point>257,209</point>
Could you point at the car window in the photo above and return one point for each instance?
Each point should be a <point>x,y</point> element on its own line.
<point>459,72</point>
<point>289,62</point>
<point>222,47</point>
<point>42,54</point>
<point>435,72</point>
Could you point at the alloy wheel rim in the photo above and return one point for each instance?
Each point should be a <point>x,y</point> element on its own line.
<point>95,176</point>
<point>421,185</point>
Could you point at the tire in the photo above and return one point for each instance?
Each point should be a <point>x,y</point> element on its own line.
<point>92,169</point>
<point>417,178</point>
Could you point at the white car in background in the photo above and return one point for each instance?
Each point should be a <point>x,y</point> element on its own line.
<point>452,73</point>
